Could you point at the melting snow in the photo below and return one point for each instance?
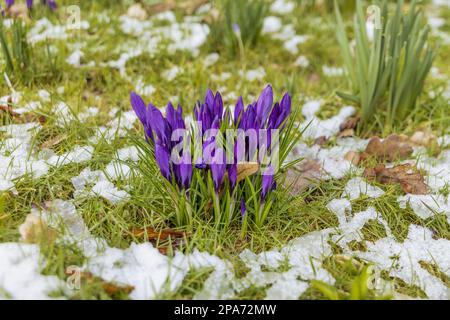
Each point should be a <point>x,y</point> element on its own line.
<point>20,273</point>
<point>315,128</point>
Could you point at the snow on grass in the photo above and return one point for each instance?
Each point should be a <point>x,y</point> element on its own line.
<point>314,127</point>
<point>20,273</point>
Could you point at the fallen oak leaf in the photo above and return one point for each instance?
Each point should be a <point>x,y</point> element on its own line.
<point>302,176</point>
<point>246,169</point>
<point>350,123</point>
<point>409,178</point>
<point>394,147</point>
<point>353,157</point>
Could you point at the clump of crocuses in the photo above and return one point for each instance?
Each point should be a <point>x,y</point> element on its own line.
<point>222,164</point>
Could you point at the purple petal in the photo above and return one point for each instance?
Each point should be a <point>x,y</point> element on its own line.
<point>171,115</point>
<point>243,208</point>
<point>209,100</point>
<point>232,175</point>
<point>264,104</point>
<point>285,107</point>
<point>186,170</point>
<point>218,168</point>
<point>238,110</point>
<point>267,182</point>
<point>52,4</point>
<point>162,159</point>
<point>218,105</point>
<point>274,115</point>
<point>139,107</point>
<point>157,122</point>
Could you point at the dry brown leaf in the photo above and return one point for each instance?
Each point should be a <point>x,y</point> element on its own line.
<point>163,239</point>
<point>303,175</point>
<point>22,118</point>
<point>246,169</point>
<point>313,77</point>
<point>320,141</point>
<point>35,230</point>
<point>353,157</point>
<point>54,141</point>
<point>9,110</point>
<point>153,234</point>
<point>394,147</point>
<point>346,133</point>
<point>350,123</point>
<point>409,178</point>
<point>109,287</point>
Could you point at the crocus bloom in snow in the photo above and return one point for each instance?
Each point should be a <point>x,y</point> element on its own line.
<point>262,114</point>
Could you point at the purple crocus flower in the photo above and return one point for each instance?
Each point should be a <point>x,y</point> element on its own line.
<point>29,4</point>
<point>9,3</point>
<point>50,3</point>
<point>186,170</point>
<point>218,168</point>
<point>140,109</point>
<point>162,157</point>
<point>268,183</point>
<point>243,208</point>
<point>264,105</point>
<point>232,175</point>
<point>236,29</point>
<point>238,110</point>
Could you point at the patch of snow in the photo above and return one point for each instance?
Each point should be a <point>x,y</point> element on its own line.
<point>302,62</point>
<point>171,73</point>
<point>426,206</point>
<point>211,59</point>
<point>254,74</point>
<point>20,273</point>
<point>358,186</point>
<point>315,128</point>
<point>271,24</point>
<point>332,71</point>
<point>282,6</point>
